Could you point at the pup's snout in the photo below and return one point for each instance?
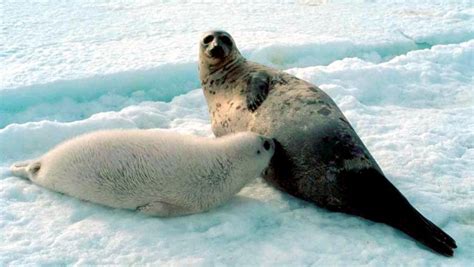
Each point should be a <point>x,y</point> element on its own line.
<point>267,145</point>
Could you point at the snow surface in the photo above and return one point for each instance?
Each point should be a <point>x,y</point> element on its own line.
<point>401,71</point>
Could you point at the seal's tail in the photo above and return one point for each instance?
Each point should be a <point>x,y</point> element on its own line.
<point>375,198</point>
<point>25,169</point>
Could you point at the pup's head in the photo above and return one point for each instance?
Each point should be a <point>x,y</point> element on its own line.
<point>251,151</point>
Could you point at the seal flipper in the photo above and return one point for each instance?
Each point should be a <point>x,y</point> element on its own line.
<point>372,196</point>
<point>257,90</point>
<point>25,169</point>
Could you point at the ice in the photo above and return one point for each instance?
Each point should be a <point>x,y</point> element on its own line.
<point>69,100</point>
<point>401,71</point>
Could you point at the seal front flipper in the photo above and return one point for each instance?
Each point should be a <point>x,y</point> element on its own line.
<point>372,196</point>
<point>257,90</point>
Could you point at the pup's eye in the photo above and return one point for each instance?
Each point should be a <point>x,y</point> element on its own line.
<point>226,40</point>
<point>208,39</point>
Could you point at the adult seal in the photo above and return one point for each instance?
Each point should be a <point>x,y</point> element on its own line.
<point>319,157</point>
<point>156,172</point>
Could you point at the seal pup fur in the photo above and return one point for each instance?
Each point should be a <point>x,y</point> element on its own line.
<point>319,157</point>
<point>157,172</point>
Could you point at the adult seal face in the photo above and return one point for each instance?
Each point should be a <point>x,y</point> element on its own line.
<point>319,157</point>
<point>158,173</point>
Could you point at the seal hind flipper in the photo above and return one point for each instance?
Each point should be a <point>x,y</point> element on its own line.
<point>372,196</point>
<point>257,90</point>
<point>25,169</point>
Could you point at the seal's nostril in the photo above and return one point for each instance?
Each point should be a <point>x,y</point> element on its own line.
<point>266,145</point>
<point>217,51</point>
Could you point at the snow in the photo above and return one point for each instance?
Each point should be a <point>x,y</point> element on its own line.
<point>401,71</point>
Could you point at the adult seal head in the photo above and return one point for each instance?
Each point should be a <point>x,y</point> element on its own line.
<point>158,173</point>
<point>319,157</point>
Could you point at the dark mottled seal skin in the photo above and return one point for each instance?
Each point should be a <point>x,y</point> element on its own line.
<point>319,156</point>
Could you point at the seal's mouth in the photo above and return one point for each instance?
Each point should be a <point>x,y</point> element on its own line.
<point>217,52</point>
<point>265,172</point>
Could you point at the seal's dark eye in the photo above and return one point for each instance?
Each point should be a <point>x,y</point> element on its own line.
<point>266,145</point>
<point>226,40</point>
<point>208,39</point>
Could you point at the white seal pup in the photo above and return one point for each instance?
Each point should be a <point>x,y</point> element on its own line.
<point>157,172</point>
<point>319,157</point>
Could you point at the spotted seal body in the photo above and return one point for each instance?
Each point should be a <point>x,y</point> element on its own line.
<point>156,172</point>
<point>319,157</point>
